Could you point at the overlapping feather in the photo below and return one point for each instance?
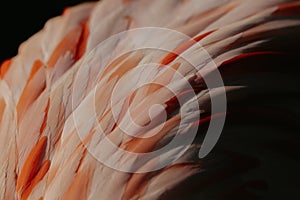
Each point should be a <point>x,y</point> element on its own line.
<point>42,156</point>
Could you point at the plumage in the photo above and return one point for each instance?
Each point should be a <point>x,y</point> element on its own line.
<point>62,88</point>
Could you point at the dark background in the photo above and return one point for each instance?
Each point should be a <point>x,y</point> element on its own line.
<point>20,20</point>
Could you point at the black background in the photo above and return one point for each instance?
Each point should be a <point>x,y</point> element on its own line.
<point>22,19</point>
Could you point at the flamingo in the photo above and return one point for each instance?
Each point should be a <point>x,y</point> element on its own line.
<point>90,96</point>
